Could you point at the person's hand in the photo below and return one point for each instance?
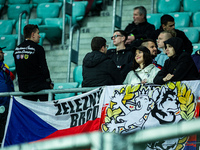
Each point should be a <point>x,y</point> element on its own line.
<point>130,39</point>
<point>144,81</point>
<point>168,77</point>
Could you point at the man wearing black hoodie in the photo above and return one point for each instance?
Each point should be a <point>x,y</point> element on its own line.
<point>98,68</point>
<point>180,65</point>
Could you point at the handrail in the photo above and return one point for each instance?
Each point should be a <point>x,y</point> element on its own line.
<point>19,27</point>
<point>76,26</point>
<point>63,24</point>
<point>49,92</point>
<point>117,18</point>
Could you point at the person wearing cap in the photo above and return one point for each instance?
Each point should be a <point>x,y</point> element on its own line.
<point>121,56</point>
<point>6,85</point>
<point>31,66</point>
<point>143,70</point>
<point>180,65</point>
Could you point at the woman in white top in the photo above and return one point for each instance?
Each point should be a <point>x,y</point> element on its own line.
<point>143,70</point>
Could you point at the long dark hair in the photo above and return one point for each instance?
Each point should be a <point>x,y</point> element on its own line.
<point>147,60</point>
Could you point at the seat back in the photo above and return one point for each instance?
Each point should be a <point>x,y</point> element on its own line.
<point>167,6</point>
<point>182,19</point>
<point>6,27</point>
<point>62,86</point>
<point>195,19</point>
<point>155,19</point>
<point>15,10</point>
<point>2,2</point>
<point>48,10</point>
<point>9,60</point>
<point>36,2</point>
<point>191,33</point>
<point>18,1</point>
<point>196,47</point>
<point>77,74</point>
<point>191,5</point>
<point>8,41</point>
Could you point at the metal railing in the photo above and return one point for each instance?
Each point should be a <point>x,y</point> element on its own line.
<point>20,24</point>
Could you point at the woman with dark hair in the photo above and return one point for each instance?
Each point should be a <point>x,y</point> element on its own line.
<point>143,70</point>
<point>179,66</point>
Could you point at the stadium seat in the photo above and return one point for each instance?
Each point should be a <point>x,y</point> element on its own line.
<point>42,37</point>
<point>77,75</point>
<point>48,10</point>
<point>78,8</point>
<point>1,6</point>
<point>6,27</point>
<point>14,11</point>
<point>95,3</point>
<point>195,19</point>
<point>53,29</point>
<point>191,33</point>
<point>155,19</point>
<point>2,2</point>
<point>182,19</point>
<point>36,21</point>
<point>196,47</point>
<point>167,6</point>
<point>9,60</point>
<point>18,1</point>
<point>59,86</point>
<point>8,41</point>
<point>191,5</point>
<point>36,2</point>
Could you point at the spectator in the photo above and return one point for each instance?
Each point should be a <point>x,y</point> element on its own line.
<point>143,69</point>
<point>122,57</point>
<point>6,85</point>
<point>196,59</point>
<point>139,29</point>
<point>150,44</point>
<point>163,36</point>
<point>179,66</point>
<point>31,66</point>
<point>98,69</point>
<point>168,24</point>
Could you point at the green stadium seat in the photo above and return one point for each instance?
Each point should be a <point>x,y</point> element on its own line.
<point>8,41</point>
<point>1,6</point>
<point>78,8</point>
<point>6,27</point>
<point>48,10</point>
<point>36,21</point>
<point>14,11</point>
<point>191,5</point>
<point>9,60</point>
<point>2,2</point>
<point>42,37</point>
<point>191,33</point>
<point>155,19</point>
<point>167,6</point>
<point>52,29</point>
<point>59,86</point>
<point>196,47</point>
<point>182,19</point>
<point>36,2</point>
<point>18,1</point>
<point>77,75</point>
<point>195,19</point>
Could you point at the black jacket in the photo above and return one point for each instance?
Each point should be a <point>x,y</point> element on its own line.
<point>123,60</point>
<point>181,66</point>
<point>99,70</point>
<point>187,44</point>
<point>141,31</point>
<point>31,66</point>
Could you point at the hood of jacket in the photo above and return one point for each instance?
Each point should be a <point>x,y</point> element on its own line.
<point>176,43</point>
<point>94,58</point>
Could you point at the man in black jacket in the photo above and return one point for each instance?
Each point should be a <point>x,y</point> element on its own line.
<point>139,29</point>
<point>168,24</point>
<point>31,66</point>
<point>98,69</point>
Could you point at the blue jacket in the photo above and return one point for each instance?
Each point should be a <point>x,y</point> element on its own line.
<point>160,58</point>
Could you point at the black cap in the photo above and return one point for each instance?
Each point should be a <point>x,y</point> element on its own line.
<point>143,48</point>
<point>2,48</point>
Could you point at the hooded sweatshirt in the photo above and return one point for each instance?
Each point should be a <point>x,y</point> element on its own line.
<point>181,65</point>
<point>99,70</point>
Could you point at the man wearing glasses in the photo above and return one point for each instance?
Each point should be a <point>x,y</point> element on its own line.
<point>122,56</point>
<point>98,68</point>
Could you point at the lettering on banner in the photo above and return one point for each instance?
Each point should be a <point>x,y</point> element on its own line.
<point>80,110</point>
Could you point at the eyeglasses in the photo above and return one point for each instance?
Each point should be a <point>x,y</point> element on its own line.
<point>115,36</point>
